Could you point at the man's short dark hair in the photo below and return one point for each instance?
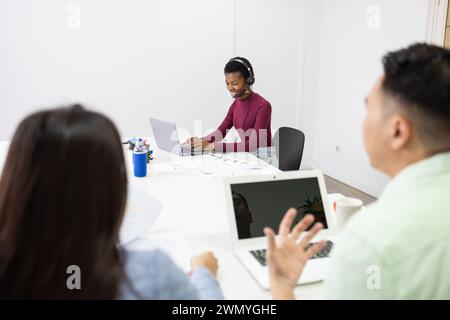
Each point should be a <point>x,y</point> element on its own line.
<point>418,77</point>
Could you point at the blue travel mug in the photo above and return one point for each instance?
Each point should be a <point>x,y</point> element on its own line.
<point>140,163</point>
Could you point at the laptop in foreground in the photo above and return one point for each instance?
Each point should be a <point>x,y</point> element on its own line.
<point>259,201</point>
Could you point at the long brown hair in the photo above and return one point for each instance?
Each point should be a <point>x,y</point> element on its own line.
<point>62,198</point>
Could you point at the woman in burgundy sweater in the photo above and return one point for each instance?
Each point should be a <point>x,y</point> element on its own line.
<point>250,114</point>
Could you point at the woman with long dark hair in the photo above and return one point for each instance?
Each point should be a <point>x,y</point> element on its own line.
<point>63,192</point>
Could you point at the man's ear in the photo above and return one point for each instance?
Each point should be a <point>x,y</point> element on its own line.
<point>400,131</point>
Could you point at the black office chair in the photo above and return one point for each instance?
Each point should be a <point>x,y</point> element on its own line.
<point>289,143</point>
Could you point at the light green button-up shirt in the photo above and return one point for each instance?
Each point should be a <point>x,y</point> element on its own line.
<point>399,247</point>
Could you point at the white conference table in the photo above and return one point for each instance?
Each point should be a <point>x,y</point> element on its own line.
<point>193,207</point>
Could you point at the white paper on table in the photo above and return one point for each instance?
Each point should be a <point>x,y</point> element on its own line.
<point>172,244</point>
<point>141,213</point>
<point>165,167</point>
<point>217,166</point>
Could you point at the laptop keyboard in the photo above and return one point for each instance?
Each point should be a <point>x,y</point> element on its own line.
<point>260,255</point>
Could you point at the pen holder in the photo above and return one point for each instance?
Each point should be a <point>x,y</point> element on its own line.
<point>140,163</point>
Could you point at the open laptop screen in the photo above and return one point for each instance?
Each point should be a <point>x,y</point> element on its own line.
<point>263,204</point>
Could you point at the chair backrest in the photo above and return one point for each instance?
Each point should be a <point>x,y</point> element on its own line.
<point>289,143</point>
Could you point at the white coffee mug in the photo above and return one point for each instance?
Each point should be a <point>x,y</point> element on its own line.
<point>345,209</point>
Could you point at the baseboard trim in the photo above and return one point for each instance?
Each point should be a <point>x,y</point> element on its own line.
<point>355,182</point>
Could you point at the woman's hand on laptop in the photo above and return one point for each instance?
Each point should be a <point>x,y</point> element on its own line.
<point>196,142</point>
<point>200,144</point>
<point>190,140</point>
<point>286,255</point>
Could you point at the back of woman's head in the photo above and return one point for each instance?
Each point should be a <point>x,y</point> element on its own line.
<point>62,199</point>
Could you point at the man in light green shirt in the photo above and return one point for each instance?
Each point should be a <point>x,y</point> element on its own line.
<point>399,248</point>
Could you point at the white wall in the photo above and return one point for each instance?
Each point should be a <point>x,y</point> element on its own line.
<point>130,59</point>
<point>268,33</point>
<point>136,58</point>
<point>315,60</point>
<point>347,62</point>
<point>308,77</point>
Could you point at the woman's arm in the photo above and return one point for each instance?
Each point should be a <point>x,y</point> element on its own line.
<point>153,275</point>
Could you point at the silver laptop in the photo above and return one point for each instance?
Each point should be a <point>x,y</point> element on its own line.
<point>166,138</point>
<point>260,201</point>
